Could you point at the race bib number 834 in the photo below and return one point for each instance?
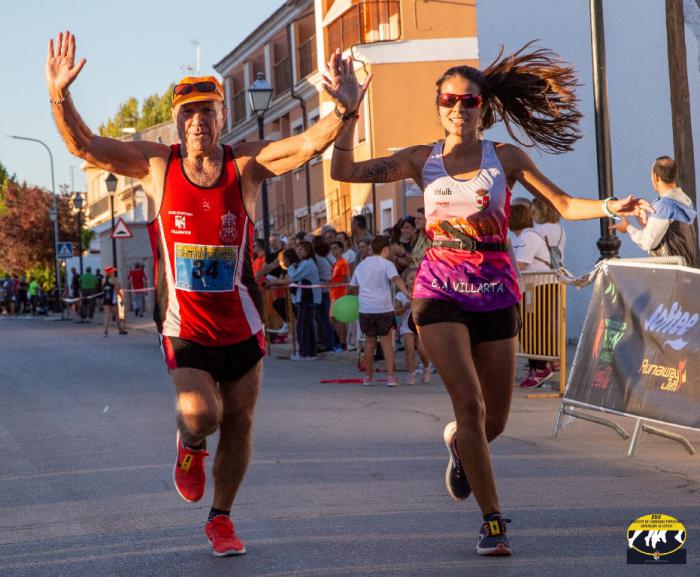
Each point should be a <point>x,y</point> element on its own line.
<point>205,268</point>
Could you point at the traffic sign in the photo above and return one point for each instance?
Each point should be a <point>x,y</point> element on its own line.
<point>64,249</point>
<point>121,230</point>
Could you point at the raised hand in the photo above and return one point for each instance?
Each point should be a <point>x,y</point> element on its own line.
<point>341,84</point>
<point>61,69</point>
<point>620,226</point>
<point>632,206</point>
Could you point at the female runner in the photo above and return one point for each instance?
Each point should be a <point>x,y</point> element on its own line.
<point>465,298</point>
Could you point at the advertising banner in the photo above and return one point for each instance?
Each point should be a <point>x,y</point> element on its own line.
<point>639,351</point>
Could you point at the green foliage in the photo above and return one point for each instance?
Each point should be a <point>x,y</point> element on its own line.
<point>4,175</point>
<point>4,178</point>
<point>155,109</point>
<point>44,275</point>
<point>86,236</point>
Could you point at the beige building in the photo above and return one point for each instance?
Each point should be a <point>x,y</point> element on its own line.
<point>406,44</point>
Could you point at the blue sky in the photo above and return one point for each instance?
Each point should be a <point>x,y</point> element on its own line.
<point>133,48</point>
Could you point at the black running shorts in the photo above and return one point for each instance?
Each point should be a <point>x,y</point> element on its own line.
<point>483,326</point>
<point>377,324</point>
<point>225,363</point>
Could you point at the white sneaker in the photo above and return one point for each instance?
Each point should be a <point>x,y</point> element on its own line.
<point>425,378</point>
<point>392,382</point>
<point>283,330</point>
<point>411,379</point>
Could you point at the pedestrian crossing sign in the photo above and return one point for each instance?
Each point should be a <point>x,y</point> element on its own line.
<point>121,230</point>
<point>64,249</point>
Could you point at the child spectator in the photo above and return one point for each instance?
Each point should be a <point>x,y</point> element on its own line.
<point>409,338</point>
<point>374,277</point>
<point>341,274</point>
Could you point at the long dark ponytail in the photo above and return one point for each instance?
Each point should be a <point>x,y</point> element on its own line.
<point>533,91</point>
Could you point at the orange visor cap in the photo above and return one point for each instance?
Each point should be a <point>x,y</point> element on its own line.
<point>197,88</point>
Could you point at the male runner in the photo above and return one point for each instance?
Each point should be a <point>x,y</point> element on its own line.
<point>201,196</point>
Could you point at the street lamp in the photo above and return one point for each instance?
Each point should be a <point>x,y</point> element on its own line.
<point>260,94</point>
<point>111,182</point>
<point>78,205</point>
<point>53,215</point>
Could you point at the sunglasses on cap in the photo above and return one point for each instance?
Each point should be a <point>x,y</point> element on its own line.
<point>469,100</point>
<point>182,89</point>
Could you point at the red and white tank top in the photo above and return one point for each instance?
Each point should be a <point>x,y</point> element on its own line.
<point>479,207</point>
<point>202,241</point>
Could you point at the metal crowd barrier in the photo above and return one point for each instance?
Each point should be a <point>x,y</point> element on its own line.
<point>543,332</point>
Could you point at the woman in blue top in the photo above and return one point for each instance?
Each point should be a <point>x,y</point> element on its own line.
<point>305,272</point>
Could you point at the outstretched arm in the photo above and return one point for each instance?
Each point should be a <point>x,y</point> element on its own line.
<point>405,163</point>
<point>127,158</point>
<point>273,158</point>
<point>519,166</point>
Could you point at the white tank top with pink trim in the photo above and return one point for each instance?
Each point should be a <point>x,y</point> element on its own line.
<point>480,208</point>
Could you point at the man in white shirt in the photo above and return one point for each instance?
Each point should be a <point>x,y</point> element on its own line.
<point>374,277</point>
<point>669,231</point>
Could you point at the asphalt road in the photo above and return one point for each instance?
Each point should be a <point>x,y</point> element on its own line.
<point>346,480</point>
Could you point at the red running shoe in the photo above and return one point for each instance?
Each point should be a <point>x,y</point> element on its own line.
<point>188,473</point>
<point>535,378</point>
<point>223,538</point>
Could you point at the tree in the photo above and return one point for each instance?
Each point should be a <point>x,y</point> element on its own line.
<point>155,109</point>
<point>26,231</point>
<point>4,178</point>
<point>4,175</point>
<point>127,116</point>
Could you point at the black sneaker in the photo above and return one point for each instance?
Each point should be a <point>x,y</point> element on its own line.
<point>455,478</point>
<point>492,537</point>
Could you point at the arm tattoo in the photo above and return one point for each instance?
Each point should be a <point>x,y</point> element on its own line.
<point>386,170</point>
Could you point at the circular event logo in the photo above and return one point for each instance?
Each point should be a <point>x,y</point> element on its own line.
<point>657,537</point>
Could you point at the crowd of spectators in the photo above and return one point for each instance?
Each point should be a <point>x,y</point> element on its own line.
<point>327,263</point>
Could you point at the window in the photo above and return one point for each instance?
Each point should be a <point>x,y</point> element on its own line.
<point>366,22</point>
<point>283,79</point>
<point>307,57</point>
<point>239,112</point>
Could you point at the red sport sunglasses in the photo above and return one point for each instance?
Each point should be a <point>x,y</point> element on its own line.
<point>469,100</point>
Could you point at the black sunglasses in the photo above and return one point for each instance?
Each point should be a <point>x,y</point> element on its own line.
<point>182,89</point>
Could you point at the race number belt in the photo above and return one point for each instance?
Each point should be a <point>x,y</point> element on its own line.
<point>463,242</point>
<point>471,245</point>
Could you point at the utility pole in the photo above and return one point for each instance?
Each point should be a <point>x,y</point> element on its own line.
<point>680,97</point>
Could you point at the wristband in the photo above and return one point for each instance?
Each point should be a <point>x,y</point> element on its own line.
<point>60,100</point>
<point>606,209</point>
<point>343,149</point>
<point>347,116</point>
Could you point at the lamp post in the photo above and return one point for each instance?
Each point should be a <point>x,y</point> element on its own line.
<point>608,243</point>
<point>78,205</point>
<point>111,182</point>
<point>260,94</point>
<point>53,215</point>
